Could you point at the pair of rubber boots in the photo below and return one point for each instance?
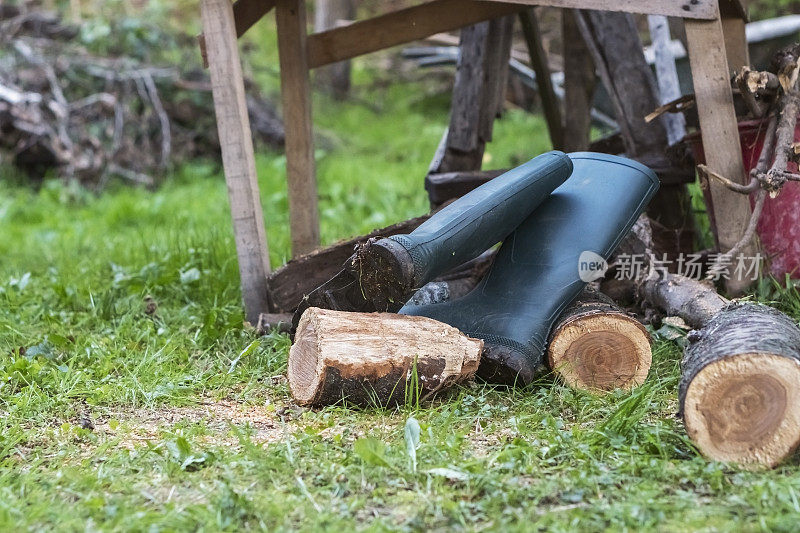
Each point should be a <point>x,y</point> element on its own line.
<point>559,217</point>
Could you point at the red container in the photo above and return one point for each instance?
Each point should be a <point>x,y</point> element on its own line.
<point>779,225</point>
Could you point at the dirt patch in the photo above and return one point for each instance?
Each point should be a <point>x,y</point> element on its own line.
<point>263,423</point>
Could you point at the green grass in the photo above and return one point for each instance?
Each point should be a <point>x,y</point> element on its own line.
<point>192,424</point>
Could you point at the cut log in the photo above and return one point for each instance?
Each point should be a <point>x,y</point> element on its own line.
<point>376,358</point>
<point>288,284</point>
<point>596,346</point>
<point>740,386</point>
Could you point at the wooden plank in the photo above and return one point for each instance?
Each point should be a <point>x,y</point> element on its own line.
<point>300,276</point>
<point>579,85</point>
<point>735,43</point>
<point>402,26</point>
<point>478,95</point>
<point>734,9</point>
<point>290,16</point>
<point>720,134</point>
<point>689,9</point>
<point>550,103</point>
<point>246,13</point>
<point>237,155</point>
<point>449,185</point>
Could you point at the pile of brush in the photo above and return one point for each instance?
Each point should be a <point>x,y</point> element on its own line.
<point>67,112</point>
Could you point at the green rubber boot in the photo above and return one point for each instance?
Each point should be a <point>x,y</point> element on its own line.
<point>543,266</point>
<point>384,273</point>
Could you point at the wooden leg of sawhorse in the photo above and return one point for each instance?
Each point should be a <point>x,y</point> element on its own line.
<point>720,135</point>
<point>735,42</point>
<point>290,16</point>
<point>237,154</point>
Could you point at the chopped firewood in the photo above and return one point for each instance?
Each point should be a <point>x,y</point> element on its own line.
<point>596,346</point>
<point>376,358</point>
<point>740,386</point>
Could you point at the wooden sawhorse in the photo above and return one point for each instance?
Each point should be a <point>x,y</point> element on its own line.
<point>716,42</point>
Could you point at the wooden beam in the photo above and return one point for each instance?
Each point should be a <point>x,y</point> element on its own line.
<point>450,185</point>
<point>720,133</point>
<point>735,43</point>
<point>689,9</point>
<point>734,9</point>
<point>238,159</point>
<point>398,27</point>
<point>551,106</point>
<point>245,14</point>
<point>290,16</point>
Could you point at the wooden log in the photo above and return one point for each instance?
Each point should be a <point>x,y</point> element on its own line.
<point>376,358</point>
<point>300,276</point>
<point>739,393</point>
<point>740,386</point>
<point>594,345</point>
<point>238,159</point>
<point>696,302</point>
<point>290,18</point>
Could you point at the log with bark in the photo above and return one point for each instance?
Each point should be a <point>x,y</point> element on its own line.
<point>376,358</point>
<point>739,393</point>
<point>740,385</point>
<point>594,345</point>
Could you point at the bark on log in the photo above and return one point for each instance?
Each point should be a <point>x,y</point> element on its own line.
<point>300,276</point>
<point>740,386</point>
<point>694,301</point>
<point>371,358</point>
<point>594,345</point>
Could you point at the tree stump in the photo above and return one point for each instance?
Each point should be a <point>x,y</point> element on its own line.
<point>596,346</point>
<point>376,358</point>
<point>740,386</point>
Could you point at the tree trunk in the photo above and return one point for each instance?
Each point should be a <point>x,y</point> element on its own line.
<point>596,346</point>
<point>376,358</point>
<point>336,77</point>
<point>740,386</point>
